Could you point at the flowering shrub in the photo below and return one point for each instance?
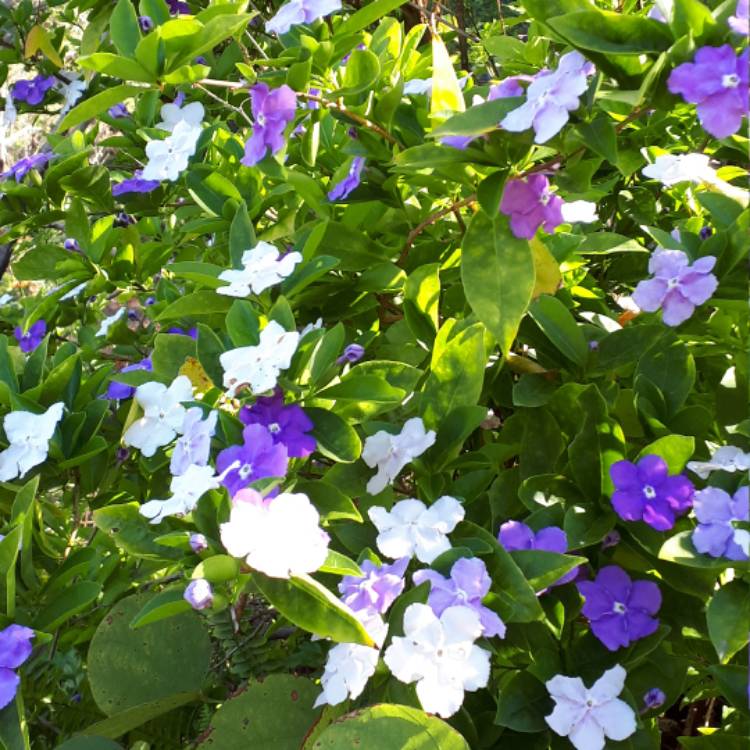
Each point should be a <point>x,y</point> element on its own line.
<point>353,399</point>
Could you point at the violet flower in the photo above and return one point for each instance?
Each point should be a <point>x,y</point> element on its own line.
<point>72,245</point>
<point>619,610</point>
<point>177,6</point>
<point>121,391</point>
<point>345,187</point>
<point>198,543</point>
<point>645,492</point>
<point>677,286</point>
<point>145,23</point>
<point>352,353</point>
<point>311,103</point>
<point>257,458</point>
<point>468,584</point>
<point>515,535</point>
<point>287,424</point>
<point>652,699</point>
<point>375,591</point>
<point>717,513</point>
<point>193,447</point>
<point>531,205</point>
<point>118,111</point>
<point>15,648</point>
<point>717,82</point>
<point>135,184</point>
<point>22,167</point>
<point>739,23</point>
<point>461,142</point>
<point>272,112</point>
<point>32,91</point>
<point>192,332</point>
<point>296,12</point>
<point>29,341</point>
<point>199,594</point>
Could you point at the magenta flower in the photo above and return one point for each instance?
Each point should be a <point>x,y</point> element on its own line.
<point>350,183</point>
<point>15,648</point>
<point>739,23</point>
<point>619,610</point>
<point>120,391</point>
<point>287,424</point>
<point>717,82</point>
<point>515,535</point>
<point>135,184</point>
<point>468,584</point>
<point>22,167</point>
<point>258,458</point>
<point>677,286</point>
<point>375,591</point>
<point>718,513</point>
<point>29,341</point>
<point>352,353</point>
<point>32,91</point>
<point>272,112</point>
<point>531,205</point>
<point>645,492</point>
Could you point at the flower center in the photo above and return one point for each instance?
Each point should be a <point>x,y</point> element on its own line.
<point>619,608</point>
<point>673,282</point>
<point>162,414</point>
<point>245,471</point>
<point>261,119</point>
<point>649,492</point>
<point>274,428</point>
<point>589,703</point>
<point>439,652</point>
<point>730,81</point>
<point>544,198</point>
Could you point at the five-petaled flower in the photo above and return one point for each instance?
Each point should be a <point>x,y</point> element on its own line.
<point>261,268</point>
<point>375,590</point>
<point>296,12</point>
<point>194,444</point>
<point>187,489</point>
<point>30,340</point>
<point>718,513</point>
<point>272,112</point>
<point>15,648</point>
<point>169,157</point>
<point>530,205</point>
<point>32,91</point>
<point>29,435</point>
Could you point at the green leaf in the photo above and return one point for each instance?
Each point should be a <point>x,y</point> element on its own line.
<point>542,568</point>
<point>340,565</point>
<point>447,97</point>
<point>116,66</point>
<point>366,15</point>
<point>336,438</point>
<point>676,450</point>
<point>599,135</point>
<point>196,304</point>
<point>123,28</point>
<point>241,235</point>
<point>363,388</point>
<point>481,118</point>
<point>215,31</point>
<point>679,549</point>
<point>217,569</point>
<point>164,604</point>
<point>89,743</point>
<point>329,501</point>
<point>559,326</point>
<point>95,105</point>
<point>669,366</point>
<point>625,346</point>
<point>522,704</point>
<point>497,270</point>
<point>243,324</point>
<point>70,602</point>
<point>727,615</point>
<point>312,607</point>
<point>360,74</point>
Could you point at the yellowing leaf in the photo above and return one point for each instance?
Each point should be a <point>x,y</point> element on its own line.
<point>196,374</point>
<point>447,98</point>
<point>38,39</point>
<point>546,268</point>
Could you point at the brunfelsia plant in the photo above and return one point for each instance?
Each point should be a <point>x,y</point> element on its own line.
<point>350,398</point>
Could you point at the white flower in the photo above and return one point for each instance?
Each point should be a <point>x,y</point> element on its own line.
<point>262,268</point>
<point>727,458</point>
<point>29,435</point>
<point>583,211</point>
<point>71,92</point>
<point>586,716</point>
<point>280,536</point>
<point>167,158</point>
<point>670,169</point>
<point>390,453</point>
<point>440,656</point>
<point>411,528</point>
<point>163,414</point>
<point>6,298</point>
<point>109,321</point>
<point>186,490</point>
<point>350,665</point>
<point>73,292</point>
<point>310,327</point>
<point>172,113</point>
<point>259,366</point>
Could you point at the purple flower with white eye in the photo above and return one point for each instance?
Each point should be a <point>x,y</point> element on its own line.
<point>22,167</point>
<point>375,591</point>
<point>515,535</point>
<point>32,91</point>
<point>716,533</point>
<point>120,391</point>
<point>15,649</point>
<point>296,12</point>
<point>29,341</point>
<point>135,184</point>
<point>645,492</point>
<point>118,111</point>
<point>198,543</point>
<point>287,424</point>
<point>272,112</point>
<point>352,353</point>
<point>530,205</point>
<point>345,187</point>
<point>739,23</point>
<point>259,457</point>
<point>717,82</point>
<point>619,610</point>
<point>468,584</point>
<point>677,286</point>
<point>652,699</point>
<point>199,594</point>
<point>194,444</point>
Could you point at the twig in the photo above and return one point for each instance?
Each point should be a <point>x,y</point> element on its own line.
<point>224,103</point>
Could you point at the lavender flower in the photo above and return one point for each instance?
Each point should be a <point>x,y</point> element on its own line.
<point>118,111</point>
<point>120,391</point>
<point>677,286</point>
<point>177,6</point>
<point>72,245</point>
<point>612,539</point>
<point>345,187</point>
<point>29,341</point>
<point>199,594</point>
<point>198,543</point>
<point>22,167</point>
<point>515,535</point>
<point>352,353</point>
<point>258,458</point>
<point>739,23</point>
<point>296,12</point>
<point>145,23</point>
<point>15,648</point>
<point>135,184</point>
<point>287,424</point>
<point>717,82</point>
<point>531,205</point>
<point>468,584</point>
<point>460,142</point>
<point>192,331</point>
<point>272,112</point>
<point>311,103</point>
<point>717,513</point>
<point>505,89</point>
<point>194,444</point>
<point>375,591</point>
<point>652,699</point>
<point>32,91</point>
<point>619,610</point>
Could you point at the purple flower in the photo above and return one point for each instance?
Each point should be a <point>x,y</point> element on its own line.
<point>135,184</point>
<point>272,112</point>
<point>120,391</point>
<point>653,698</point>
<point>200,60</point>
<point>192,332</point>
<point>352,353</point>
<point>288,425</point>
<point>375,591</point>
<point>311,104</point>
<point>71,245</point>
<point>716,533</point>
<point>612,539</point>
<point>677,286</point>
<point>619,610</point>
<point>645,492</point>
<point>258,458</point>
<point>198,543</point>
<point>118,110</point>
<point>343,189</point>
<point>29,341</point>
<point>194,444</point>
<point>505,89</point>
<point>21,168</point>
<point>739,23</point>
<point>177,6</point>
<point>145,23</point>
<point>32,91</point>
<point>15,648</point>
<point>296,12</point>
<point>515,535</point>
<point>717,82</point>
<point>199,594</point>
<point>457,141</point>
<point>468,584</point>
<point>531,205</point>
<point>705,232</point>
<point>123,220</point>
